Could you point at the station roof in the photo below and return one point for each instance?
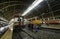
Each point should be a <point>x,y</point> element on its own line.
<point>47,8</point>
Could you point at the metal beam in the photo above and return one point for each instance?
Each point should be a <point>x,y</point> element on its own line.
<point>12,5</point>
<point>9,2</point>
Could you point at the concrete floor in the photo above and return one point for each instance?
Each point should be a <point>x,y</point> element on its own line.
<point>41,34</point>
<point>57,26</point>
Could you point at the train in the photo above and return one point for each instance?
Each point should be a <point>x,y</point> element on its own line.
<point>40,21</point>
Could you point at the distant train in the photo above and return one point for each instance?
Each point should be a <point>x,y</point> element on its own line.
<point>40,21</point>
<point>52,21</point>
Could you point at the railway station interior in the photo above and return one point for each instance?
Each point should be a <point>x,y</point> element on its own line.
<point>29,19</point>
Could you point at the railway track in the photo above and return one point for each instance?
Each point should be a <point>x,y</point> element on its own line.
<point>43,33</point>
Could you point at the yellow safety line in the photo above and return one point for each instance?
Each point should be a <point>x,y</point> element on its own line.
<point>7,35</point>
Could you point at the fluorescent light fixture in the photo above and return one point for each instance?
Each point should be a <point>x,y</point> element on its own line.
<point>34,4</point>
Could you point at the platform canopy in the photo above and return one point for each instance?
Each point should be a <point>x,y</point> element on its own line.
<point>47,8</point>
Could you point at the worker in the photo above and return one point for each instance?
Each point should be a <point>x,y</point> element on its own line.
<point>36,24</point>
<point>31,25</point>
<point>35,28</point>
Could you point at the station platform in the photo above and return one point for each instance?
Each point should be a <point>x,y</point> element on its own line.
<point>41,34</point>
<point>51,26</point>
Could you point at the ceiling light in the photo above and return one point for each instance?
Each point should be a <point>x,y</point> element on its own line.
<point>34,4</point>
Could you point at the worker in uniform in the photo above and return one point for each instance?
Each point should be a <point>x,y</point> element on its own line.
<point>36,23</point>
<point>31,25</point>
<point>15,27</point>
